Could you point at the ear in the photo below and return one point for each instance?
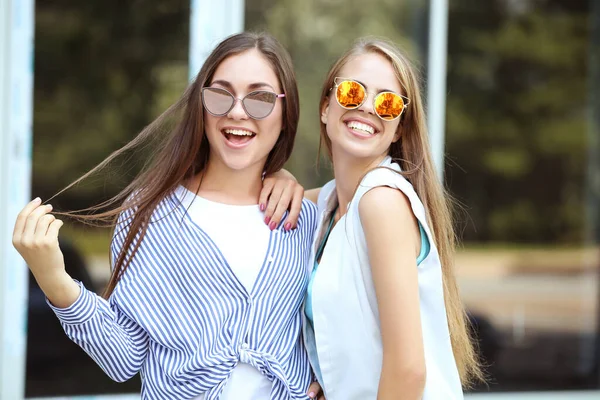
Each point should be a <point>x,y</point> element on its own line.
<point>398,134</point>
<point>325,110</point>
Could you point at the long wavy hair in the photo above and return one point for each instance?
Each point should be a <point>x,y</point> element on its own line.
<point>182,151</point>
<point>412,153</point>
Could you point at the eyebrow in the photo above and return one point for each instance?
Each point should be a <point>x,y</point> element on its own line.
<point>252,86</point>
<point>378,90</point>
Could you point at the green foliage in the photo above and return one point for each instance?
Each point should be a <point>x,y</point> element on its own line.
<point>103,70</point>
<point>517,125</point>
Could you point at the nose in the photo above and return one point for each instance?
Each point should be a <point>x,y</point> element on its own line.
<point>237,112</point>
<point>367,105</point>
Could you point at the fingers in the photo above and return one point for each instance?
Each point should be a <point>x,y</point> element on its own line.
<point>313,390</point>
<point>22,217</point>
<point>54,228</point>
<point>267,188</point>
<point>272,205</point>
<point>291,222</point>
<point>42,226</point>
<point>282,206</point>
<point>32,221</point>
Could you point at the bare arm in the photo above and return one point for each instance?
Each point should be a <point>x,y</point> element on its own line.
<point>393,241</point>
<point>282,192</point>
<point>117,344</point>
<point>36,238</point>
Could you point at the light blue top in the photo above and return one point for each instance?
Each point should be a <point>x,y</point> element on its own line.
<point>308,304</point>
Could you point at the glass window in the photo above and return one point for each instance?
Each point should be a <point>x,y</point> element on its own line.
<point>522,146</point>
<point>103,70</point>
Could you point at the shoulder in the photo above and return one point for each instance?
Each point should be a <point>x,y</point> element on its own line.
<point>384,203</point>
<point>309,208</point>
<point>167,206</point>
<point>387,218</point>
<point>384,176</point>
<point>308,214</point>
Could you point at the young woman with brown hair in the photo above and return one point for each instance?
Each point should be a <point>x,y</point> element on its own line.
<point>205,298</point>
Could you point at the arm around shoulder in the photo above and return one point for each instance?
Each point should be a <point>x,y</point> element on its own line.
<point>392,237</point>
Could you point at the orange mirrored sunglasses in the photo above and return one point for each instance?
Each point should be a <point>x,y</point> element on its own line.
<point>351,94</point>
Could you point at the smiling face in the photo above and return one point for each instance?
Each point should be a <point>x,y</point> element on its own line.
<point>236,140</point>
<point>360,133</point>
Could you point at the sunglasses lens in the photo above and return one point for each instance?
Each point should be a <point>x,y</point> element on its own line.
<point>388,105</point>
<point>350,94</point>
<point>217,101</point>
<point>259,104</point>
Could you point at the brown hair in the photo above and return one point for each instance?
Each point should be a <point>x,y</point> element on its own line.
<point>183,152</point>
<point>412,153</point>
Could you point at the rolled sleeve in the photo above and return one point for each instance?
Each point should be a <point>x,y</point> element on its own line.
<point>81,311</point>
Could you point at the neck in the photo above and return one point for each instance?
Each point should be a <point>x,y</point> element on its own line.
<point>222,184</point>
<point>348,172</point>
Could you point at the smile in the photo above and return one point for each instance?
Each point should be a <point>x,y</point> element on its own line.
<point>361,128</point>
<point>237,138</point>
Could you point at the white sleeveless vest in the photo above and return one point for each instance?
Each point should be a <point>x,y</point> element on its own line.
<point>345,346</point>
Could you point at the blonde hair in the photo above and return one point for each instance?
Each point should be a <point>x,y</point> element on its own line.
<point>412,153</point>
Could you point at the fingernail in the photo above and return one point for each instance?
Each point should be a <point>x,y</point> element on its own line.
<point>262,207</point>
<point>272,225</point>
<point>37,200</point>
<point>311,395</point>
<point>288,226</point>
<point>267,219</point>
<point>49,206</point>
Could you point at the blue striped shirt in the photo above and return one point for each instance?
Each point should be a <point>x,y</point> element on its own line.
<point>182,319</point>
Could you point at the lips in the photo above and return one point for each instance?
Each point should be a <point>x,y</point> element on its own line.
<point>237,137</point>
<point>361,126</point>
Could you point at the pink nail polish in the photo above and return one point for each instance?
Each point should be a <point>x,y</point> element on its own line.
<point>311,395</point>
<point>267,219</point>
<point>288,226</point>
<point>272,225</point>
<point>262,207</point>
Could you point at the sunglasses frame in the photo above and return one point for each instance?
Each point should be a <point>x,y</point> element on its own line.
<point>236,99</point>
<point>337,81</point>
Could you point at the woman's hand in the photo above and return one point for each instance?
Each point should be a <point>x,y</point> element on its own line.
<point>281,191</point>
<point>36,238</point>
<point>315,392</point>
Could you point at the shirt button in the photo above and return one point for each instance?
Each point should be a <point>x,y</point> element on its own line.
<point>244,346</point>
<point>270,259</point>
<point>249,301</point>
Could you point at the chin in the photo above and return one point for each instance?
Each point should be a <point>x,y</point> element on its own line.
<point>240,162</point>
<point>238,165</point>
<point>358,151</point>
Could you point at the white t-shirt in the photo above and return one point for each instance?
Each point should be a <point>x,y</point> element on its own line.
<point>243,238</point>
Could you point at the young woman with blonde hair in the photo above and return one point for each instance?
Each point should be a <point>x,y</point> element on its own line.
<point>384,316</point>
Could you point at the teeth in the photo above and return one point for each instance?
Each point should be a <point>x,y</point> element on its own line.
<point>361,127</point>
<point>238,132</point>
